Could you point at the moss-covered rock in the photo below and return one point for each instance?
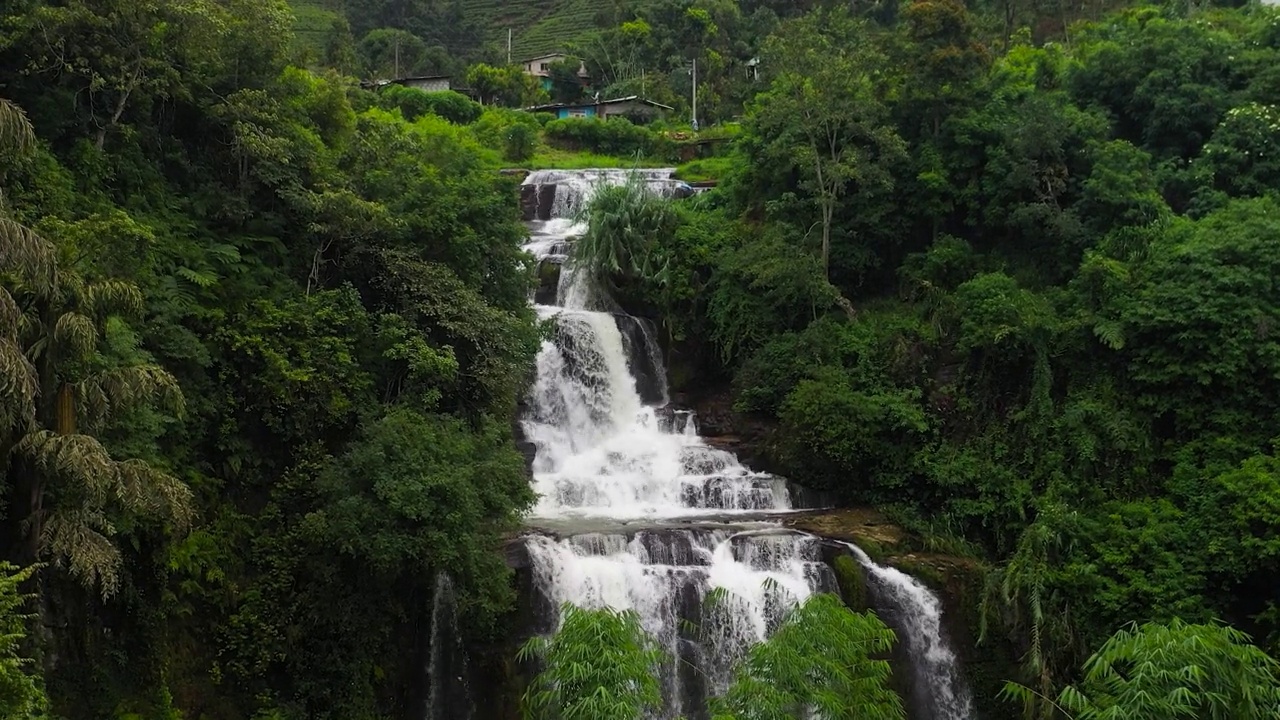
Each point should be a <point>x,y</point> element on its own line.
<point>864,527</point>
<point>852,583</point>
<point>960,583</point>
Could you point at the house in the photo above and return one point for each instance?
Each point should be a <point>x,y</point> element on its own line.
<point>540,67</point>
<point>428,83</point>
<point>632,107</point>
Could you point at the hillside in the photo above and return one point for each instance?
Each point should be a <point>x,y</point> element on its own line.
<point>313,21</point>
<point>538,26</point>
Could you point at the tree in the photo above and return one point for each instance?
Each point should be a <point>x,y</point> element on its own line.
<point>946,59</point>
<point>388,53</point>
<point>599,665</point>
<point>121,54</point>
<point>58,379</point>
<point>818,664</point>
<point>503,85</point>
<point>1196,317</point>
<point>566,84</point>
<point>1173,671</point>
<point>822,114</point>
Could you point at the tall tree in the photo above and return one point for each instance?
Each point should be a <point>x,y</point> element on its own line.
<point>823,114</point>
<point>599,666</point>
<point>60,387</point>
<point>818,664</point>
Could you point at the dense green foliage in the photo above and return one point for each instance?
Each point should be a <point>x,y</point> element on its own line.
<point>262,335</point>
<point>1164,672</point>
<point>600,665</point>
<point>819,661</point>
<point>610,137</point>
<point>20,693</point>
<point>263,332</point>
<point>623,226</point>
<point>1019,295</point>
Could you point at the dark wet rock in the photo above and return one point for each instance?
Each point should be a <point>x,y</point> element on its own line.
<point>548,283</point>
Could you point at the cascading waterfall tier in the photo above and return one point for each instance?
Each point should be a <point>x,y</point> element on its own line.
<point>602,449</point>
<point>665,575</point>
<point>448,690</point>
<point>570,190</point>
<point>905,604</point>
<point>643,514</point>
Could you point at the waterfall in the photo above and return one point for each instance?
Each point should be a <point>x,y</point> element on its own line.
<point>634,509</point>
<point>448,691</point>
<point>573,188</point>
<point>665,575</point>
<point>915,614</point>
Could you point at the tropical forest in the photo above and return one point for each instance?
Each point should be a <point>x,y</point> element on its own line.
<point>639,359</point>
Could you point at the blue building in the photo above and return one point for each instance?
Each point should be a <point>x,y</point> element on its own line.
<point>632,107</point>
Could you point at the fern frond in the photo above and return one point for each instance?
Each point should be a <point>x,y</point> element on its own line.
<point>224,253</point>
<point>1110,333</point>
<point>78,459</point>
<point>151,492</point>
<point>126,387</point>
<point>196,277</point>
<point>11,316</point>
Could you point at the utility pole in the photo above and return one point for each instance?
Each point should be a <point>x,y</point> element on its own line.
<point>397,73</point>
<point>695,94</point>
<point>508,46</point>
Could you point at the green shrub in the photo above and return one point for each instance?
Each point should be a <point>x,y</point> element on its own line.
<point>495,123</point>
<point>519,143</point>
<point>616,136</point>
<point>452,106</point>
<point>855,441</point>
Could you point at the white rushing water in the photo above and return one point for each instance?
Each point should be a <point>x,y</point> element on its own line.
<point>603,451</point>
<point>448,689</point>
<point>648,516</point>
<point>666,575</point>
<point>939,692</point>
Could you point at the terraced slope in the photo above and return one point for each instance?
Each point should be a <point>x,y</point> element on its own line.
<point>313,19</point>
<point>539,26</point>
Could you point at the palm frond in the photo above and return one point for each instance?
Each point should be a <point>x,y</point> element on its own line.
<point>76,335</point>
<point>32,258</point>
<point>80,459</point>
<point>19,386</point>
<point>11,317</point>
<point>16,134</point>
<point>154,493</point>
<point>79,540</point>
<point>113,297</point>
<point>117,389</point>
<point>77,533</point>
